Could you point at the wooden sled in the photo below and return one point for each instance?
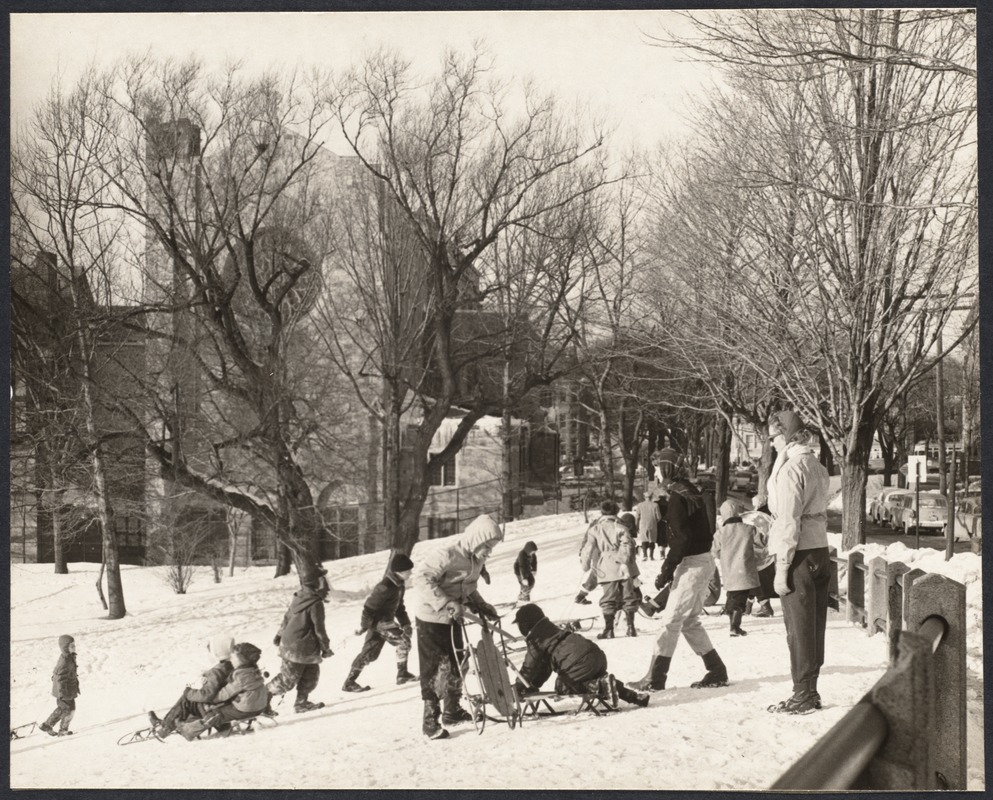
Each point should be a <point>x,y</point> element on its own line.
<point>486,679</point>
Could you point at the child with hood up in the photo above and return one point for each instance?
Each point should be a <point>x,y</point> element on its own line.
<point>525,567</point>
<point>734,545</point>
<point>303,642</point>
<point>444,586</point>
<point>65,689</point>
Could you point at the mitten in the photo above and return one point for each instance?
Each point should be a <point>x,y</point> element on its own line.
<point>488,612</point>
<point>277,639</point>
<point>661,580</point>
<point>781,584</point>
<point>327,652</point>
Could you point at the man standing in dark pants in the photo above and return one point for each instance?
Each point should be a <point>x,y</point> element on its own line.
<point>444,586</point>
<point>798,495</point>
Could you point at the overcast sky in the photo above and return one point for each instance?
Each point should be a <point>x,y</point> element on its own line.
<point>600,57</point>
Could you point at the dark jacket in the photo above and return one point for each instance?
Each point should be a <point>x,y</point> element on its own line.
<point>213,680</point>
<point>245,690</point>
<point>527,562</point>
<point>575,659</point>
<point>302,637</point>
<point>690,530</point>
<point>65,681</point>
<point>385,603</point>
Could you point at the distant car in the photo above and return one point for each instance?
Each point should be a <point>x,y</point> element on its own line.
<point>933,512</point>
<point>969,519</point>
<point>882,508</point>
<point>743,479</point>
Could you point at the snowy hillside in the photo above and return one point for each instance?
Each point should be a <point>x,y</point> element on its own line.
<point>720,739</point>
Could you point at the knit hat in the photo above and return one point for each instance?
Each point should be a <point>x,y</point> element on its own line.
<point>64,641</point>
<point>400,563</point>
<point>626,518</point>
<point>788,423</point>
<point>669,463</point>
<point>527,617</point>
<point>221,645</point>
<point>608,508</point>
<point>729,508</point>
<point>317,580</point>
<point>247,652</point>
<point>530,547</point>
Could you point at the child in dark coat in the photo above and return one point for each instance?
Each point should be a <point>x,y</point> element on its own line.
<point>65,689</point>
<point>303,642</point>
<point>525,567</point>
<point>385,619</point>
<point>580,665</point>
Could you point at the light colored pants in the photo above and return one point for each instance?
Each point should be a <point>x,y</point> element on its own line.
<point>690,585</point>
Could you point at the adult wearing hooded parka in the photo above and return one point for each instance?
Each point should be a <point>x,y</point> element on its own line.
<point>798,496</point>
<point>443,587</point>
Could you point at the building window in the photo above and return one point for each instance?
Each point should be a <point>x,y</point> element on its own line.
<point>442,473</point>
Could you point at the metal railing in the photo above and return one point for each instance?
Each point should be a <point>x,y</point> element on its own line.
<point>908,732</point>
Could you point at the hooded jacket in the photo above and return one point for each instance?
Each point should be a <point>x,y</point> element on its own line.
<point>385,603</point>
<point>608,550</point>
<point>446,578</point>
<point>690,531</point>
<point>527,562</point>
<point>734,545</point>
<point>798,497</point>
<point>65,681</point>
<point>302,636</point>
<point>245,689</point>
<point>575,659</point>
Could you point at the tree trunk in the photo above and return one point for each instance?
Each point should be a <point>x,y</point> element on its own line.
<point>939,394</point>
<point>284,559</point>
<point>103,600</point>
<point>723,459</point>
<point>59,556</point>
<point>606,452</point>
<point>853,482</point>
<point>506,439</point>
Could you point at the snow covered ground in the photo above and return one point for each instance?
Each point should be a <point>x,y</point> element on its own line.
<point>720,739</point>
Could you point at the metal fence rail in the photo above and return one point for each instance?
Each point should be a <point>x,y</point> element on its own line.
<point>908,732</point>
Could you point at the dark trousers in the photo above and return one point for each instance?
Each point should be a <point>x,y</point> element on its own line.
<point>619,594</point>
<point>294,673</point>
<point>183,710</point>
<point>767,584</point>
<point>735,600</point>
<point>805,615</point>
<point>65,710</point>
<point>440,650</point>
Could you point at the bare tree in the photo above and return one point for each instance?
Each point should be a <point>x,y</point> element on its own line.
<point>862,229</point>
<point>457,165</point>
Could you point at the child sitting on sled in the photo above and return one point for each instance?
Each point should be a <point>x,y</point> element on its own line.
<point>580,665</point>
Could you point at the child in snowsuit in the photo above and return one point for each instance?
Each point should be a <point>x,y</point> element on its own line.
<point>385,619</point>
<point>194,703</point>
<point>580,665</point>
<point>303,642</point>
<point>609,552</point>
<point>243,696</point>
<point>65,689</point>
<point>765,562</point>
<point>444,586</point>
<point>524,568</point>
<point>648,516</point>
<point>607,508</point>
<point>734,545</point>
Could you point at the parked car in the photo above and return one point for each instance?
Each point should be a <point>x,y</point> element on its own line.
<point>968,519</point>
<point>883,507</point>
<point>933,512</point>
<point>743,479</point>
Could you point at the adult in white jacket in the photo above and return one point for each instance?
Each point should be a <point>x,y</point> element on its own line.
<point>798,497</point>
<point>443,586</point>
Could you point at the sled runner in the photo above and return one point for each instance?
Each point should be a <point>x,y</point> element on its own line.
<point>142,735</point>
<point>21,731</point>
<point>486,679</point>
<point>543,704</point>
<point>577,625</point>
<point>204,729</point>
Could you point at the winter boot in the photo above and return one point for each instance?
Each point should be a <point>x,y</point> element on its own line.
<point>717,673</point>
<point>608,627</point>
<point>629,696</point>
<point>268,711</point>
<point>403,676</point>
<point>65,732</point>
<point>629,615</point>
<point>736,629</point>
<point>764,609</point>
<point>802,702</point>
<point>431,727</point>
<point>303,705</point>
<point>524,596</point>
<point>351,685</point>
<point>581,599</point>
<point>192,728</point>
<point>47,729</point>
<point>454,713</point>
<point>748,606</point>
<point>654,679</point>
<point>606,689</point>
